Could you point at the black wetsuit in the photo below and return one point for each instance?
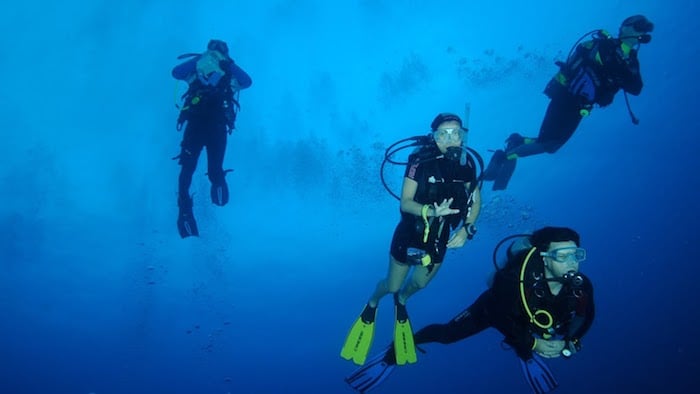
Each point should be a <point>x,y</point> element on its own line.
<point>437,179</point>
<point>501,307</point>
<point>208,114</point>
<point>206,126</point>
<point>596,71</point>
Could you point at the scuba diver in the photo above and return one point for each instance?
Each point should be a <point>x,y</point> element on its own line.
<point>208,114</point>
<point>439,205</point>
<point>593,73</point>
<point>538,300</point>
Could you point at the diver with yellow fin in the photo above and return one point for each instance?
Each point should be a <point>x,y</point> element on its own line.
<point>439,204</point>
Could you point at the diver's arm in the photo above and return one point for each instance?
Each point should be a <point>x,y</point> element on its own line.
<point>475,209</point>
<point>461,236</point>
<point>411,206</point>
<point>185,71</point>
<point>549,348</point>
<point>625,72</point>
<point>632,81</point>
<point>408,204</point>
<point>241,78</point>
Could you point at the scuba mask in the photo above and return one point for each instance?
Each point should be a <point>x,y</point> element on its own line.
<point>447,135</point>
<point>641,25</point>
<point>564,255</point>
<point>642,38</point>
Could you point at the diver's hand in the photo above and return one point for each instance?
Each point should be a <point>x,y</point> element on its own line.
<point>444,208</point>
<point>549,348</point>
<point>209,69</point>
<point>459,238</point>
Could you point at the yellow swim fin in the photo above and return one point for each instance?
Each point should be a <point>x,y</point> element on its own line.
<point>360,337</point>
<point>404,347</point>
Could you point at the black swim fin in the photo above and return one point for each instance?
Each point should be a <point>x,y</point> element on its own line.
<point>538,375</point>
<point>494,165</point>
<point>219,194</point>
<point>186,224</point>
<point>373,373</point>
<point>505,172</point>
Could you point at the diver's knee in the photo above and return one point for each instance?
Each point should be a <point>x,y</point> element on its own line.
<point>186,159</point>
<point>420,284</point>
<point>393,287</point>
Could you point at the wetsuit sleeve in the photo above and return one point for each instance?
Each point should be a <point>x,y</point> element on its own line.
<point>624,73</point>
<point>185,70</point>
<point>412,168</point>
<point>244,80</point>
<point>631,78</point>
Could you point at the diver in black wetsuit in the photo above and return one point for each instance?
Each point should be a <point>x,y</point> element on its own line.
<point>208,115</point>
<point>539,301</point>
<point>593,73</point>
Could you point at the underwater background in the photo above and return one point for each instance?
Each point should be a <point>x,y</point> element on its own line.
<point>98,293</point>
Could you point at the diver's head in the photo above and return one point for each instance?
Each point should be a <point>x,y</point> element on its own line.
<point>448,134</point>
<point>635,30</point>
<point>560,251</point>
<point>219,46</point>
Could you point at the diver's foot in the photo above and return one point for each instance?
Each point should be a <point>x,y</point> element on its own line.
<point>513,141</point>
<point>186,223</point>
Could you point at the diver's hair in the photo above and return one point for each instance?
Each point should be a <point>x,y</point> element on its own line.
<point>546,235</point>
<point>444,117</point>
<point>218,45</point>
<point>640,23</point>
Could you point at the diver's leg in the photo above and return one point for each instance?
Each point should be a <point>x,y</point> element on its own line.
<point>216,150</point>
<point>392,283</point>
<point>190,149</point>
<point>560,122</point>
<point>189,155</point>
<point>467,323</point>
<point>420,278</point>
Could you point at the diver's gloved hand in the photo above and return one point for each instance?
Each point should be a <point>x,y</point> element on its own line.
<point>551,348</point>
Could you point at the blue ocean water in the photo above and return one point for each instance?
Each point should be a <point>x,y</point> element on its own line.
<point>98,293</point>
